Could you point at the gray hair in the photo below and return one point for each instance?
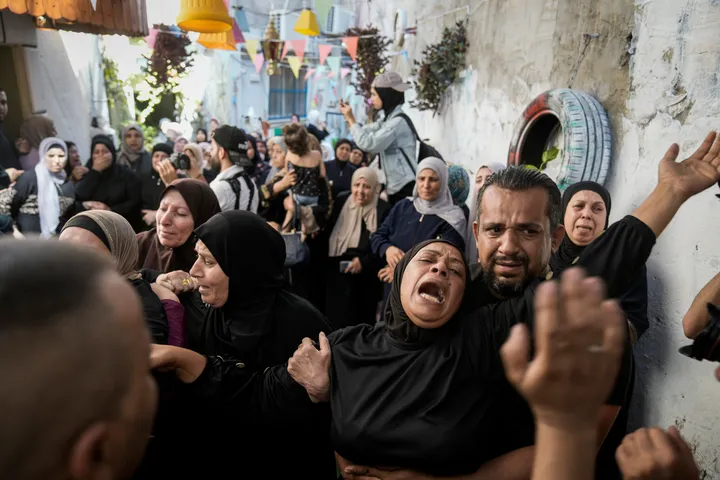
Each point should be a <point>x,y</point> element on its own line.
<point>280,142</point>
<point>519,179</point>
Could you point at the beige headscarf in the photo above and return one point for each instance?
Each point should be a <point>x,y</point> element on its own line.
<point>348,228</point>
<point>120,237</point>
<point>127,156</point>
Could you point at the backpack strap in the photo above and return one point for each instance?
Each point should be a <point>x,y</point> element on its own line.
<point>412,127</point>
<point>410,124</point>
<point>235,185</point>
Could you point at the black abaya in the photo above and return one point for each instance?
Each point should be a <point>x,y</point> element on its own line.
<point>260,326</point>
<point>352,299</point>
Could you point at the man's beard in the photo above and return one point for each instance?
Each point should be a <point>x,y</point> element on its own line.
<point>501,287</point>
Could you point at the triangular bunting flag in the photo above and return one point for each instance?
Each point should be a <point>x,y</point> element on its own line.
<point>322,7</point>
<point>94,4</point>
<point>351,44</point>
<point>241,19</point>
<point>251,46</point>
<point>334,64</point>
<point>344,72</point>
<point>324,51</point>
<point>237,33</point>
<point>286,47</point>
<point>310,72</point>
<point>151,38</point>
<point>298,47</point>
<point>295,64</point>
<point>259,61</point>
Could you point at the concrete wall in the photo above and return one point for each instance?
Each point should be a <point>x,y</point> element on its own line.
<point>656,68</point>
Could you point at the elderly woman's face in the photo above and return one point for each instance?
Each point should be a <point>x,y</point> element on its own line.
<point>134,139</point>
<point>433,285</point>
<point>481,177</point>
<point>174,221</point>
<point>428,184</point>
<point>361,192</point>
<point>277,158</point>
<point>342,152</point>
<point>214,284</point>
<point>585,217</point>
<point>55,160</point>
<point>356,157</point>
<point>84,238</point>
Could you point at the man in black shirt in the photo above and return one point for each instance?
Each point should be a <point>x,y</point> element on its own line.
<point>519,225</point>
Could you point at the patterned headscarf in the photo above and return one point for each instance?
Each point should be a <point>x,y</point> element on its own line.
<point>459,184</point>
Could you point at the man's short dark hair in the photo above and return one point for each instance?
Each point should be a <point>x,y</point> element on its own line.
<point>520,179</point>
<point>63,364</point>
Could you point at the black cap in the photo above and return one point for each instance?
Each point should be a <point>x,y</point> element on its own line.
<point>232,139</point>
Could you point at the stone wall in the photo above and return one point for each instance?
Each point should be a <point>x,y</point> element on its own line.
<point>655,66</point>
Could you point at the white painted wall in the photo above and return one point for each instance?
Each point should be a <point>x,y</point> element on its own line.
<point>520,48</point>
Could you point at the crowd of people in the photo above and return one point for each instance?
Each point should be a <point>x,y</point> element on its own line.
<point>250,309</point>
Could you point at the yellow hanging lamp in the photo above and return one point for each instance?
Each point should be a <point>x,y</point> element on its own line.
<point>218,41</point>
<point>307,24</point>
<point>204,16</point>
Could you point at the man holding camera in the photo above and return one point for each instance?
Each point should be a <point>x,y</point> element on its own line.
<point>233,187</point>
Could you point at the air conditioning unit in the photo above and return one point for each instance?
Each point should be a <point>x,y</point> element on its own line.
<point>339,20</point>
<point>287,24</point>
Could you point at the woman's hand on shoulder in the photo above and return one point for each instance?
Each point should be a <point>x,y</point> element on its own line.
<point>177,282</point>
<point>309,367</point>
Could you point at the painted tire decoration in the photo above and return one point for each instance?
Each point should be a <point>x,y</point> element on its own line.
<point>583,129</point>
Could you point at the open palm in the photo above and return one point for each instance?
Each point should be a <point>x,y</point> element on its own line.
<point>696,173</point>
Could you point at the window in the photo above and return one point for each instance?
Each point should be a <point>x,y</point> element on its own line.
<point>288,94</point>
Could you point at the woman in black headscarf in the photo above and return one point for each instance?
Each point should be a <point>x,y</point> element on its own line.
<point>424,390</point>
<point>586,210</point>
<point>108,185</point>
<point>340,170</point>
<point>253,323</point>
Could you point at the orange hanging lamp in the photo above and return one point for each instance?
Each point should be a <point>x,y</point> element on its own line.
<point>218,41</point>
<point>204,16</point>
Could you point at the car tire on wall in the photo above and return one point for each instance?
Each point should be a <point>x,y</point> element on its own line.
<point>586,135</point>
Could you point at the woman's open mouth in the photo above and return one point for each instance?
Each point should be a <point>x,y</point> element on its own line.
<point>432,292</point>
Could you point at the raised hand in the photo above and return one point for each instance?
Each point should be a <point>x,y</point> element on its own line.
<point>651,453</point>
<point>578,347</point>
<point>167,172</point>
<point>177,282</point>
<point>698,172</point>
<point>309,367</point>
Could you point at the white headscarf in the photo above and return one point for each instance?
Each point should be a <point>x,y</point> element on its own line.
<point>348,228</point>
<point>47,189</point>
<point>443,205</point>
<point>470,247</point>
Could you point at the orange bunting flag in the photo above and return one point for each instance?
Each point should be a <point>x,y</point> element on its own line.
<point>286,47</point>
<point>324,51</point>
<point>351,45</point>
<point>298,47</point>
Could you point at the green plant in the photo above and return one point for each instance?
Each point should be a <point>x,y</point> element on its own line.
<point>440,67</point>
<point>170,58</point>
<point>372,57</point>
<point>548,156</point>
